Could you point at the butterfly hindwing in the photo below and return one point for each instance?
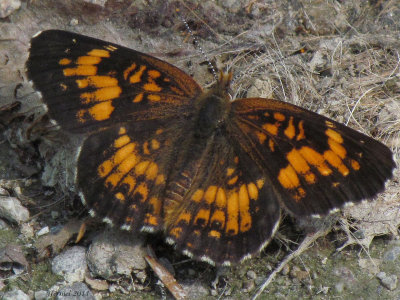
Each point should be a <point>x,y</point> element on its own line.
<point>315,163</point>
<point>89,84</point>
<point>221,208</point>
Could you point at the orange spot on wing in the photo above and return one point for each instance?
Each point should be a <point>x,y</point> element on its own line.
<point>218,216</point>
<point>300,165</point>
<point>185,217</point>
<point>279,117</point>
<point>120,197</point>
<point>337,148</point>
<point>301,134</point>
<point>121,141</point>
<point>137,76</point>
<point>316,159</point>
<point>214,234</point>
<point>130,181</point>
<point>261,137</point>
<point>88,60</point>
<point>155,144</point>
<point>233,180</point>
<point>260,183</point>
<point>253,191</point>
<point>153,97</point>
<point>150,219</point>
<point>220,201</point>
<point>99,52</point>
<point>230,171</point>
<point>290,130</point>
<point>271,128</point>
<point>82,70</point>
<point>128,70</point>
<point>210,194</point>
<point>197,195</point>
<point>152,87</point>
<point>121,154</point>
<point>288,178</point>
<point>271,145</point>
<point>334,135</point>
<point>138,98</point>
<point>102,94</point>
<point>355,165</point>
<point>98,112</point>
<point>97,81</point>
<point>204,215</point>
<point>64,61</point>
<point>336,162</point>
<point>160,179</point>
<point>141,167</point>
<point>151,172</point>
<point>154,73</point>
<point>142,190</point>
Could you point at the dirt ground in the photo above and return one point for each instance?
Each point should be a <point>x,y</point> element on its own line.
<point>337,58</point>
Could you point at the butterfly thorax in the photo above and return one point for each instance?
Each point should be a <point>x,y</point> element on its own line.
<point>212,108</point>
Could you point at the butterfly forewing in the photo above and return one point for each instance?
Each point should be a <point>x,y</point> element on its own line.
<point>89,84</point>
<point>315,163</point>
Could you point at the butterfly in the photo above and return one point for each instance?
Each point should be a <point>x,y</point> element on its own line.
<point>212,174</point>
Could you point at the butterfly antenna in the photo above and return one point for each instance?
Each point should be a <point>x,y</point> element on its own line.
<point>197,44</point>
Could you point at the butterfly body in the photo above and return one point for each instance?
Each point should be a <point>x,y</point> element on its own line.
<point>161,154</point>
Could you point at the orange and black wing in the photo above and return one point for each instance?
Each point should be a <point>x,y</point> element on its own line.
<point>315,164</point>
<point>218,206</point>
<point>89,84</point>
<point>123,170</point>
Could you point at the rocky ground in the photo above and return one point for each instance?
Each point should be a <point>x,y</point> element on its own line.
<point>337,58</point>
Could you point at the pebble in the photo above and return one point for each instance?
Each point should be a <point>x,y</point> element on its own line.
<point>15,295</point>
<point>7,7</point>
<point>113,254</point>
<point>12,210</point>
<point>251,274</point>
<point>389,282</point>
<point>71,264</point>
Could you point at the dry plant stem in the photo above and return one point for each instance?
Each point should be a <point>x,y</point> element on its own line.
<point>309,239</point>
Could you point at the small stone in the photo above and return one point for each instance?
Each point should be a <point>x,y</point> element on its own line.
<point>54,214</point>
<point>97,284</point>
<point>392,254</point>
<point>43,231</point>
<point>111,254</point>
<point>12,210</point>
<point>285,270</point>
<point>3,225</point>
<point>74,22</point>
<point>15,295</point>
<point>71,264</point>
<point>7,7</point>
<point>41,295</point>
<point>27,230</point>
<point>389,282</point>
<point>251,274</point>
<point>248,286</point>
